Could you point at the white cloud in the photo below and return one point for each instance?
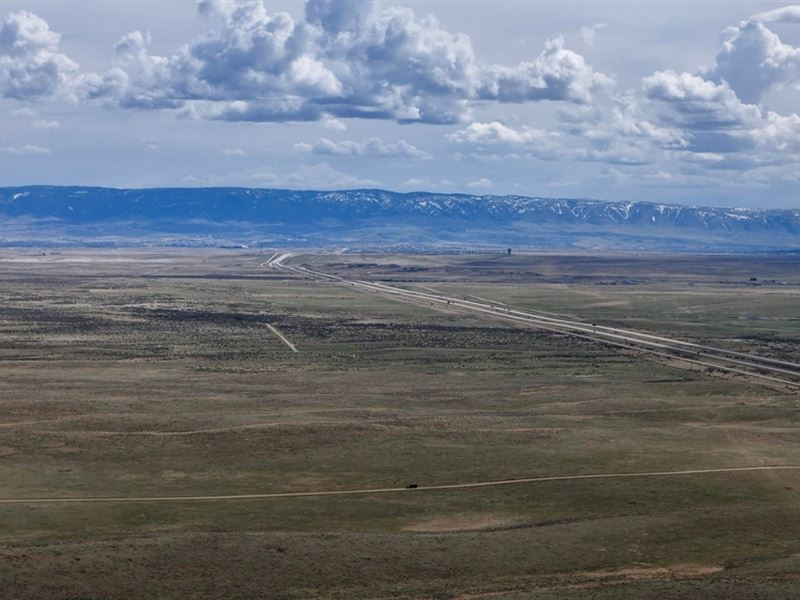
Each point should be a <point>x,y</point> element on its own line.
<point>495,132</point>
<point>589,32</point>
<point>786,14</point>
<point>483,182</point>
<point>556,74</point>
<point>151,143</point>
<point>320,176</point>
<point>689,125</point>
<point>715,120</point>
<point>44,124</point>
<point>697,104</point>
<point>26,149</point>
<point>316,176</point>
<point>753,60</point>
<point>416,182</point>
<point>344,60</point>
<point>36,123</point>
<point>30,65</point>
<point>613,134</point>
<point>701,122</point>
<point>334,124</point>
<point>25,112</point>
<point>422,183</point>
<point>373,147</point>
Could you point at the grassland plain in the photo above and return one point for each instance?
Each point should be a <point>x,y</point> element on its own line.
<point>141,373</point>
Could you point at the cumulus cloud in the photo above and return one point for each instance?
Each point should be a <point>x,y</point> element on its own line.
<point>362,60</point>
<point>621,132</point>
<point>495,132</point>
<point>556,74</point>
<point>334,124</point>
<point>275,110</point>
<point>343,60</point>
<point>31,67</point>
<point>753,59</point>
<point>716,123</point>
<point>347,59</point>
<point>373,147</point>
<point>233,152</point>
<point>616,134</point>
<point>338,17</point>
<point>699,104</point>
<point>697,122</point>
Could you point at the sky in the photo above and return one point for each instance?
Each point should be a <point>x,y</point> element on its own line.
<point>685,102</point>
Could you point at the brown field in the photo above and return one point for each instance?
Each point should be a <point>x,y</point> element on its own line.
<point>155,375</point>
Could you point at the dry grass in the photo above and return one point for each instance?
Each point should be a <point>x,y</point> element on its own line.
<point>153,373</point>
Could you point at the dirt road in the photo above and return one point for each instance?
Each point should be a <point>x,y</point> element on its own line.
<point>405,490</point>
<point>282,338</point>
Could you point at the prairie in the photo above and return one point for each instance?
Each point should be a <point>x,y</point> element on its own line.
<point>140,373</point>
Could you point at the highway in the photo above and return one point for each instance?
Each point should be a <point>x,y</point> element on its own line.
<point>751,366</point>
<point>762,368</point>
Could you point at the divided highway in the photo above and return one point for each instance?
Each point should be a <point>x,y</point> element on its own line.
<point>730,361</point>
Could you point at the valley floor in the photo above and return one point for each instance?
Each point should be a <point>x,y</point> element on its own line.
<point>174,374</point>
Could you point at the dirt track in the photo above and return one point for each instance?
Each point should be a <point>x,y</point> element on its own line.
<point>393,490</point>
<point>282,338</point>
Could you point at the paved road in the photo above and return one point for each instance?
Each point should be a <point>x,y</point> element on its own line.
<point>275,260</point>
<point>395,490</point>
<point>763,368</point>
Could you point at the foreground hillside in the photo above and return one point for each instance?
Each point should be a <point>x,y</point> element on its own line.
<point>376,218</point>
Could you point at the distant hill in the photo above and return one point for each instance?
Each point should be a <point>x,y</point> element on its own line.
<point>47,215</point>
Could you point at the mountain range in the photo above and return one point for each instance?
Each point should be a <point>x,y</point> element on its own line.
<point>375,219</point>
